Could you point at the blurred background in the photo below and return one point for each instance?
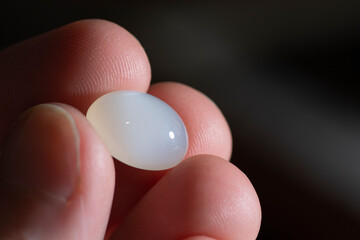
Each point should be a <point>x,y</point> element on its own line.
<point>286,76</point>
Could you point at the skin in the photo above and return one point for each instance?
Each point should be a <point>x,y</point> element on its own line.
<point>58,181</point>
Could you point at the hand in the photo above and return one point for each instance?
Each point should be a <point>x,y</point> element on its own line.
<point>57,180</point>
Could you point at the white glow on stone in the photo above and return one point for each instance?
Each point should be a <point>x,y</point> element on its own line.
<point>171,135</point>
<point>139,129</point>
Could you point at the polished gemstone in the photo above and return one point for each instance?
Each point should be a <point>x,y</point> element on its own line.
<point>139,129</point>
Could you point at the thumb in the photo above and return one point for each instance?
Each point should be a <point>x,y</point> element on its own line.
<point>46,172</point>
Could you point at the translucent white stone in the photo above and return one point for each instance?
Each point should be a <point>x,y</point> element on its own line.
<point>139,129</point>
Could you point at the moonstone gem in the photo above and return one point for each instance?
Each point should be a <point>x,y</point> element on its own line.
<point>139,129</point>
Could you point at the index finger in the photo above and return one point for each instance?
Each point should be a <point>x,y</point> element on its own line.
<point>74,64</point>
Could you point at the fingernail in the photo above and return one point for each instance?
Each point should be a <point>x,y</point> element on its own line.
<point>40,155</point>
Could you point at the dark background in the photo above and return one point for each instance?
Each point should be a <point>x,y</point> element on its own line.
<point>286,76</point>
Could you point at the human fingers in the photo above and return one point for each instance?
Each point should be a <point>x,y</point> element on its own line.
<point>204,196</point>
<point>208,133</point>
<point>74,64</point>
<point>56,177</point>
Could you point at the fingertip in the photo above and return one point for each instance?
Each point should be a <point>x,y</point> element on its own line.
<point>52,169</point>
<point>97,165</point>
<point>116,54</point>
<point>198,238</point>
<point>203,196</point>
<point>102,56</point>
<point>91,205</point>
<point>233,207</point>
<point>74,64</point>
